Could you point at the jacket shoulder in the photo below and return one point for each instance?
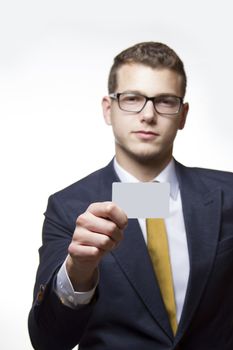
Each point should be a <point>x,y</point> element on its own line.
<point>209,177</point>
<point>92,188</point>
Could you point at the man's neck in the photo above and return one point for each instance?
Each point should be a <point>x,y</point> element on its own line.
<point>143,171</point>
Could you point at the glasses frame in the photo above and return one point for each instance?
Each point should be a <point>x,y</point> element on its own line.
<point>116,96</point>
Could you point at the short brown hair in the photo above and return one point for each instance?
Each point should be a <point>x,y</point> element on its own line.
<point>152,54</point>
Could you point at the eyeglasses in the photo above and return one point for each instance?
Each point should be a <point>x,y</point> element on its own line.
<point>163,104</point>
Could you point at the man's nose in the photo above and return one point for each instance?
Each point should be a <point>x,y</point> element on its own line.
<point>148,113</point>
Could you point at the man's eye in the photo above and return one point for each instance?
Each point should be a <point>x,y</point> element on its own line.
<point>166,101</point>
<point>132,98</point>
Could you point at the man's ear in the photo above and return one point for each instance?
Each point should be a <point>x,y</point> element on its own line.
<point>106,106</point>
<point>183,115</point>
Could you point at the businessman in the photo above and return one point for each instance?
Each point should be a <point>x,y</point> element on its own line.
<point>107,282</point>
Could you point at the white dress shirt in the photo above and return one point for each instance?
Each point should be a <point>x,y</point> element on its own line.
<point>176,240</point>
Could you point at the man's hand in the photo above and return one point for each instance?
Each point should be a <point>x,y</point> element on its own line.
<point>98,231</point>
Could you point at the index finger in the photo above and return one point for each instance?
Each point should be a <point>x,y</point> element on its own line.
<point>111,211</point>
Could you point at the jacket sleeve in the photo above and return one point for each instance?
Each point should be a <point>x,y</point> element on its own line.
<point>52,325</point>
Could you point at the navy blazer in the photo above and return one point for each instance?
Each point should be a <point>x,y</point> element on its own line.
<point>127,311</point>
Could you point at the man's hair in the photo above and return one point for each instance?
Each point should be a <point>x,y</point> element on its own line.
<point>152,54</point>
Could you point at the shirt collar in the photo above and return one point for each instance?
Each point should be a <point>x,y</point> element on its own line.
<point>168,174</point>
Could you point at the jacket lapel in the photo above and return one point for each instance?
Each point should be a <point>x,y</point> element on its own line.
<point>134,260</point>
<point>202,215</point>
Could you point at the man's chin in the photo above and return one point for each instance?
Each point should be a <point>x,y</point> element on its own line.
<point>145,157</point>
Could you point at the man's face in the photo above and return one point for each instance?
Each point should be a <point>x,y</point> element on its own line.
<point>145,136</point>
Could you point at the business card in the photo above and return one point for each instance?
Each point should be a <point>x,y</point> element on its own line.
<point>142,199</point>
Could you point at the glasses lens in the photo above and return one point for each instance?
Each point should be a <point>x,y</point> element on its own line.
<point>167,104</point>
<point>131,102</point>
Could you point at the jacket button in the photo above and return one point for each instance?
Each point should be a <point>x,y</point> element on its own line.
<point>40,294</point>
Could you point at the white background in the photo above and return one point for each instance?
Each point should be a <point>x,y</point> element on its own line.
<point>54,62</point>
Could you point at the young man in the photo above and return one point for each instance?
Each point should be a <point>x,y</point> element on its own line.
<point>97,285</point>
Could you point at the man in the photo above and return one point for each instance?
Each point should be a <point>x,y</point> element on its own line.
<point>97,284</point>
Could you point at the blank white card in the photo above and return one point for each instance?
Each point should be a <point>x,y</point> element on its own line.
<point>143,199</point>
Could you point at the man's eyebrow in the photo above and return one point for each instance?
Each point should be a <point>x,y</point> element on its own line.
<point>135,92</point>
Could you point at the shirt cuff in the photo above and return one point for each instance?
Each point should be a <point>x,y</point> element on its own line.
<point>66,292</point>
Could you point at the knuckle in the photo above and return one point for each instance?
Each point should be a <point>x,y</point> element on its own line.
<point>110,207</point>
<point>123,221</point>
<point>92,206</point>
<point>104,243</point>
<point>94,253</point>
<point>111,228</point>
<point>107,244</point>
<point>81,219</point>
<point>72,249</point>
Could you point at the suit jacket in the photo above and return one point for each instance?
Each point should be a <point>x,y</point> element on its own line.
<point>127,311</point>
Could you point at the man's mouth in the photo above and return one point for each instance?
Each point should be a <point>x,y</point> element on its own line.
<point>146,134</point>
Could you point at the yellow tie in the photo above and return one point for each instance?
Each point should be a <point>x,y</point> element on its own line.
<point>159,252</point>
